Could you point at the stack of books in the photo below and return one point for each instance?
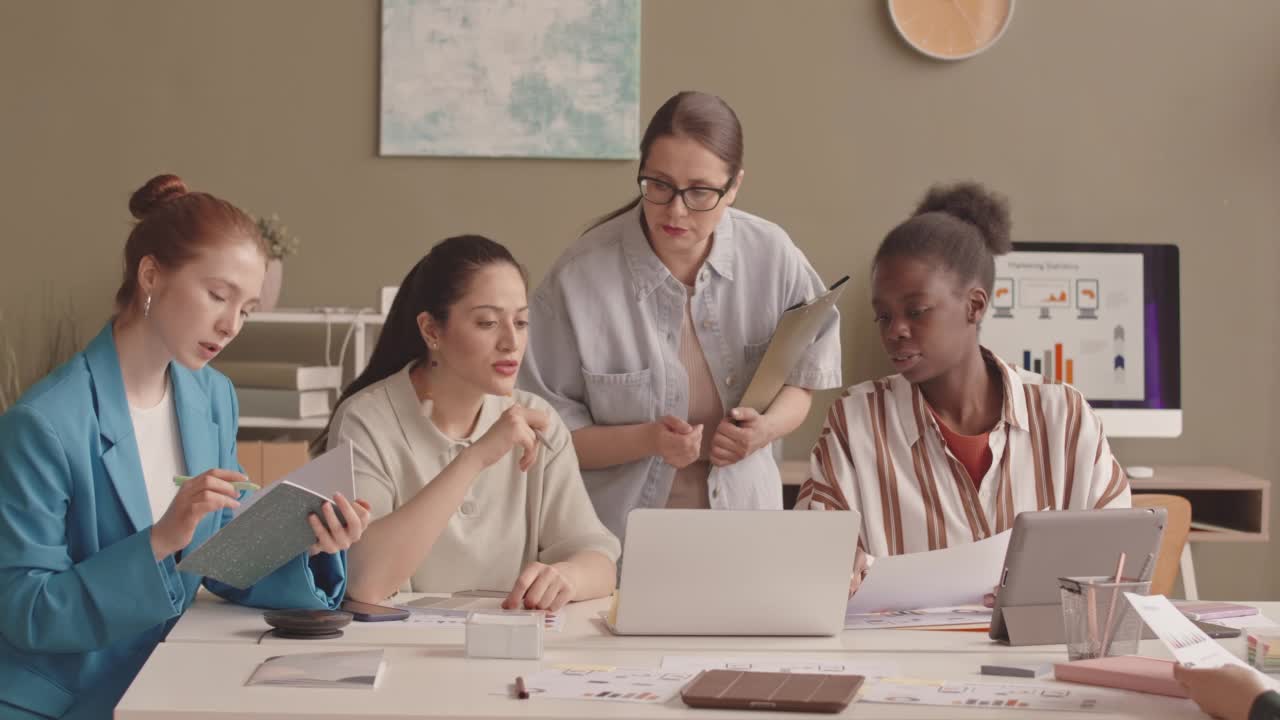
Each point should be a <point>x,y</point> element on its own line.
<point>282,390</point>
<point>1264,650</point>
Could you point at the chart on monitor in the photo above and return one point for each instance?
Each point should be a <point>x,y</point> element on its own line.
<point>1100,317</point>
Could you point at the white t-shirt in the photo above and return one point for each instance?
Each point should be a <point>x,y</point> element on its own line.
<point>160,449</point>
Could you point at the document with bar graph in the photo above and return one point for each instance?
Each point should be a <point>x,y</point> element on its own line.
<point>1073,317</point>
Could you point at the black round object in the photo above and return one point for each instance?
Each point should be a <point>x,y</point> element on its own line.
<point>308,635</point>
<point>307,624</point>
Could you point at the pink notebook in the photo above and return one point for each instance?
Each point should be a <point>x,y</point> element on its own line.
<point>1128,672</point>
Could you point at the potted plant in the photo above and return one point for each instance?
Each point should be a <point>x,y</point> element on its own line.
<point>56,339</point>
<point>280,244</point>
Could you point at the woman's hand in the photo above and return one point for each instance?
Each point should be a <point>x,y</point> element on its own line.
<point>542,587</point>
<point>860,564</point>
<point>1224,692</point>
<point>331,536</point>
<point>743,432</point>
<point>678,443</point>
<point>208,492</point>
<point>516,427</point>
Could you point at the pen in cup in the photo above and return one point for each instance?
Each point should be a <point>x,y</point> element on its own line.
<point>180,479</point>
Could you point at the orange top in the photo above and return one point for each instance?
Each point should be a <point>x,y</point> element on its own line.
<point>973,451</point>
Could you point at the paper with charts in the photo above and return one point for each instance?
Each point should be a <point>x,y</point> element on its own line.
<point>966,616</point>
<point>1020,696</point>
<point>607,683</point>
<point>453,611</point>
<point>958,575</point>
<point>1188,643</point>
<point>834,665</point>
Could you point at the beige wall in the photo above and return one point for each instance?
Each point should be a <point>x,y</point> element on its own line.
<point>1140,120</point>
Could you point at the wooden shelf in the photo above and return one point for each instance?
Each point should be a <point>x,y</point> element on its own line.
<point>361,319</point>
<point>318,316</point>
<point>1220,496</point>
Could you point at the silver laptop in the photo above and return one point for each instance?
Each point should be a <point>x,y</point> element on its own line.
<point>735,572</point>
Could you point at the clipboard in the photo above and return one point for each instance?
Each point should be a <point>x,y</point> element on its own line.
<point>795,333</point>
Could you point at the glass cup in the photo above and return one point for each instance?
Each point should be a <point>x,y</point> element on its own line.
<point>1097,619</point>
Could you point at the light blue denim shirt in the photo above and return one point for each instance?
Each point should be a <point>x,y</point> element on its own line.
<point>604,341</point>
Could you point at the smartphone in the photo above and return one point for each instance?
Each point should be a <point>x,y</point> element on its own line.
<point>1217,631</point>
<point>368,612</point>
<point>500,594</point>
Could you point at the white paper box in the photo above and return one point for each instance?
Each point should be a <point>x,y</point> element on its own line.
<point>512,635</point>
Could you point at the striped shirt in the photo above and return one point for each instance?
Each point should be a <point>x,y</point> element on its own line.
<point>881,452</point>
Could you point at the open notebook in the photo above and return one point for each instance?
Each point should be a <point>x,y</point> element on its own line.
<point>358,669</point>
<point>271,525</point>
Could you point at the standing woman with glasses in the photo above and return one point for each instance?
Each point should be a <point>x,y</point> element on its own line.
<point>647,331</point>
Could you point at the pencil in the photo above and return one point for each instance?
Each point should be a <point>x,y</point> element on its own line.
<point>180,479</point>
<point>1108,629</point>
<point>522,692</point>
<point>543,439</point>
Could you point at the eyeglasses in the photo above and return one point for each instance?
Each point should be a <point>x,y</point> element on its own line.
<point>696,198</point>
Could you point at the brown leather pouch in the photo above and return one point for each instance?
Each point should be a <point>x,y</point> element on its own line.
<point>745,690</point>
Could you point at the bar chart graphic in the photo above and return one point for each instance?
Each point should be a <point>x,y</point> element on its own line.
<point>1053,364</point>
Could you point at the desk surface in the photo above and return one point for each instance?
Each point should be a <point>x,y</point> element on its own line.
<point>213,620</point>
<point>440,682</point>
<point>200,671</point>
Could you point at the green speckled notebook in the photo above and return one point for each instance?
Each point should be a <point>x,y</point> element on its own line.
<point>273,529</point>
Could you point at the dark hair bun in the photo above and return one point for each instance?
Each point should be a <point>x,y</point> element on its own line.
<point>976,205</point>
<point>158,191</point>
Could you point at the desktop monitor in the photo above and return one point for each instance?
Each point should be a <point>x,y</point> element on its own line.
<point>1102,317</point>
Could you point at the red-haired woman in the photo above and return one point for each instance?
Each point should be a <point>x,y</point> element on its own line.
<point>91,523</point>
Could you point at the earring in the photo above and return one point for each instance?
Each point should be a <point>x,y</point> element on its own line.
<point>146,307</point>
<point>434,362</point>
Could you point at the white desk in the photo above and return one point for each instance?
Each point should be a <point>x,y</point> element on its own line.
<point>213,620</point>
<point>189,681</point>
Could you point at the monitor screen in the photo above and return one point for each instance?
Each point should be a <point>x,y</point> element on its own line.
<point>1102,317</point>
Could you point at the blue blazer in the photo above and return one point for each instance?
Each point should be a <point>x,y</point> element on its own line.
<point>82,599</point>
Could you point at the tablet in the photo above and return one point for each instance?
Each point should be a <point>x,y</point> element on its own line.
<point>1051,544</point>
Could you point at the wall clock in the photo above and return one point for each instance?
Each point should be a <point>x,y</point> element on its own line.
<point>951,29</point>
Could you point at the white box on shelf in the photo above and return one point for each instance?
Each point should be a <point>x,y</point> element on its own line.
<point>511,635</point>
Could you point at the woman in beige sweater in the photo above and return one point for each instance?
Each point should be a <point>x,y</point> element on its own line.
<point>473,485</point>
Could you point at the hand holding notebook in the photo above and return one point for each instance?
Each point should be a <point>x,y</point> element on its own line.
<point>275,525</point>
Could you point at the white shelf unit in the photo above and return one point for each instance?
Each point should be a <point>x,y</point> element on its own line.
<point>360,318</point>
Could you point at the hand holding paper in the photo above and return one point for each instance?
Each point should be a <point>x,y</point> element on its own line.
<point>958,575</point>
<point>1188,643</point>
